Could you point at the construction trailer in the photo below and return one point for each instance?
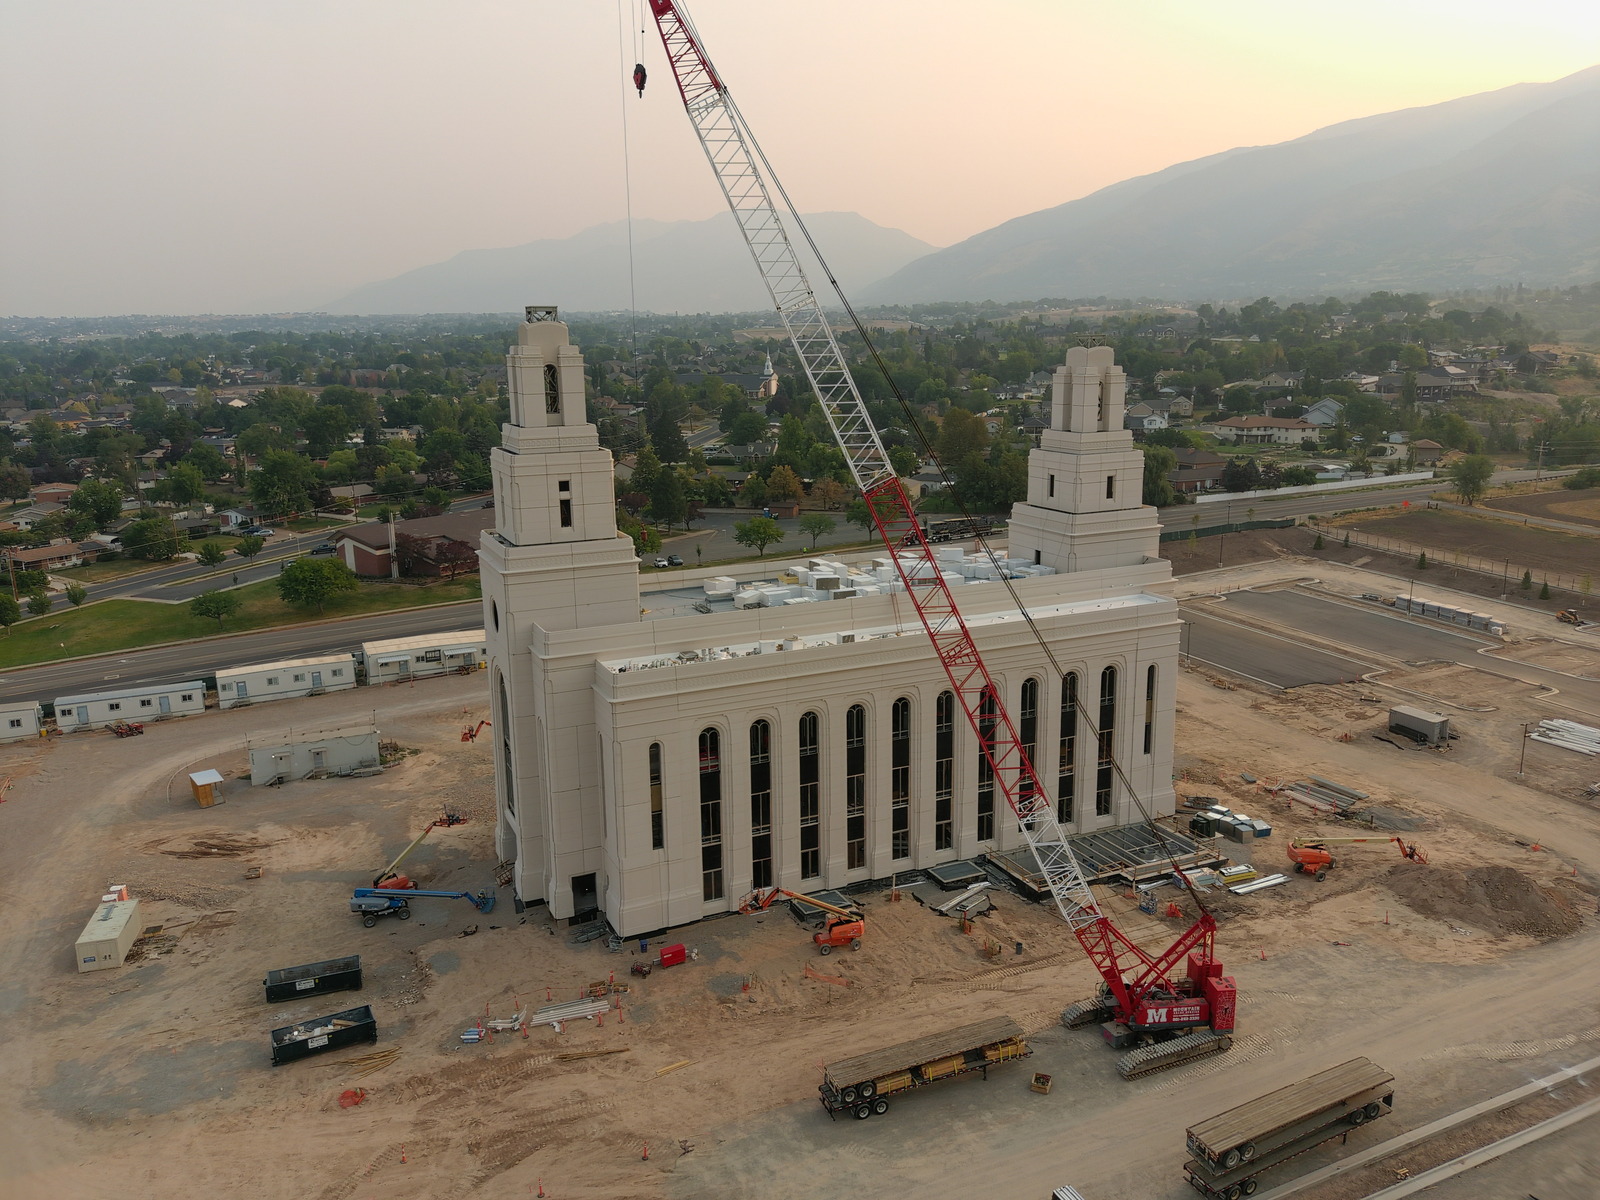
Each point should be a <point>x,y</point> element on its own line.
<point>1233,1148</point>
<point>285,680</point>
<point>861,1086</point>
<point>1420,725</point>
<point>398,659</point>
<point>152,702</point>
<point>314,753</point>
<point>20,721</point>
<point>109,935</point>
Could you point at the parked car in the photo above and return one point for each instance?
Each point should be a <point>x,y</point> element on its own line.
<point>674,561</point>
<point>660,562</point>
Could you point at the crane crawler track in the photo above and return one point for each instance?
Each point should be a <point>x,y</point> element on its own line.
<point>1149,1059</point>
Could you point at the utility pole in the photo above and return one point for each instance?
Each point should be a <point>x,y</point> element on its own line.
<point>1538,471</point>
<point>1523,758</point>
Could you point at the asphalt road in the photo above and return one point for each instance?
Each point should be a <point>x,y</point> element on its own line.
<point>194,659</point>
<point>1249,652</point>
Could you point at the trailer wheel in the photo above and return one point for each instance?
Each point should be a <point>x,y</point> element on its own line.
<point>1230,1160</point>
<point>1373,1110</point>
<point>863,1111</point>
<point>825,948</point>
<point>1234,1192</point>
<point>848,1095</point>
<point>369,920</point>
<point>880,1106</point>
<point>1358,1117</point>
<point>867,1090</point>
<point>1247,1151</point>
<point>404,913</point>
<point>1249,1186</point>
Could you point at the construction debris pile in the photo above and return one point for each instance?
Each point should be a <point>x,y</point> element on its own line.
<point>1495,900</point>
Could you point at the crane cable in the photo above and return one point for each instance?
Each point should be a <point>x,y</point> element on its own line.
<point>922,439</point>
<point>627,177</point>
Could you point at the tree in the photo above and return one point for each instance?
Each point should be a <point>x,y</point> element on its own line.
<point>99,499</point>
<point>211,554</point>
<point>1471,476</point>
<point>1298,476</point>
<point>905,461</point>
<point>646,466</point>
<point>314,581</point>
<point>858,513</point>
<point>184,484</point>
<point>1317,545</point>
<point>754,492</point>
<point>207,460</point>
<point>14,481</point>
<point>815,525</point>
<point>829,493</point>
<point>1422,561</point>
<point>1544,592</point>
<point>248,547</point>
<point>758,532</point>
<point>219,606</point>
<point>668,504</point>
<point>10,613</point>
<point>39,603</point>
<point>784,484</point>
<point>77,594</point>
<point>1158,463</point>
<point>152,538</point>
<point>1527,581</point>
<point>283,484</point>
<point>1240,475</point>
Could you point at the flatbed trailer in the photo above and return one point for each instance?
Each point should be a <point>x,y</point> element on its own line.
<point>861,1086</point>
<point>1235,1147</point>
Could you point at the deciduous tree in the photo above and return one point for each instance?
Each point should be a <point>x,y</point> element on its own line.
<point>1471,476</point>
<point>217,605</point>
<point>758,533</point>
<point>815,525</point>
<point>315,581</point>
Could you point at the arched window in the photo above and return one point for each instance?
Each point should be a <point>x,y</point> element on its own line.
<point>1149,708</point>
<point>658,824</point>
<point>760,804</point>
<point>987,719</point>
<point>1028,733</point>
<point>944,771</point>
<point>1067,750</point>
<point>503,728</point>
<point>1108,731</point>
<point>711,814</point>
<point>810,796</point>
<point>900,779</point>
<point>552,389</point>
<point>855,787</point>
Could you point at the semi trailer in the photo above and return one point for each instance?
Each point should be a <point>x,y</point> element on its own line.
<point>861,1086</point>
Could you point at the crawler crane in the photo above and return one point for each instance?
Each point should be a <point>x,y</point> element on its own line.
<point>1164,1008</point>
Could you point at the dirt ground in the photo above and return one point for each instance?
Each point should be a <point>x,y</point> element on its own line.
<point>1496,538</point>
<point>1464,976</point>
<point>1579,508</point>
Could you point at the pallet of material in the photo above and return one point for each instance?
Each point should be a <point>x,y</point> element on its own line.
<point>1288,1105</point>
<point>948,1043</point>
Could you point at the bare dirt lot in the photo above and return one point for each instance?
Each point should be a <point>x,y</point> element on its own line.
<point>1463,977</point>
<point>1443,532</point>
<point>1579,508</point>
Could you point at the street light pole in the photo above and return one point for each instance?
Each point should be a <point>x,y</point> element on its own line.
<point>1523,758</point>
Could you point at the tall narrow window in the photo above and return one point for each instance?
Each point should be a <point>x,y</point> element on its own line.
<point>986,724</point>
<point>1052,488</point>
<point>900,779</point>
<point>1108,731</point>
<point>1067,750</point>
<point>810,797</point>
<point>552,389</point>
<point>564,489</point>
<point>710,814</point>
<point>1111,487</point>
<point>1028,733</point>
<point>855,787</point>
<point>504,730</point>
<point>658,821</point>
<point>760,804</point>
<point>944,771</point>
<point>1149,708</point>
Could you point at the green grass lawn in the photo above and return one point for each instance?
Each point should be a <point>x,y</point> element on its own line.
<point>129,624</point>
<point>100,572</point>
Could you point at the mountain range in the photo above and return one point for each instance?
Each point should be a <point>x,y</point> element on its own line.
<point>1498,187</point>
<point>679,266</point>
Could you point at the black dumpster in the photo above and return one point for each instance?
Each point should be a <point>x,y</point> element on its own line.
<point>321,1034</point>
<point>313,979</point>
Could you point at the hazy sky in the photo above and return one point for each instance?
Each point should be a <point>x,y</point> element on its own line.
<point>221,156</point>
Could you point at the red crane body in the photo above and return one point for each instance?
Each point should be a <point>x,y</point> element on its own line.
<point>1141,993</point>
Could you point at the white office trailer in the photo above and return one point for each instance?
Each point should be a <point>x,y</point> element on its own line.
<point>153,702</point>
<point>285,680</point>
<point>109,935</point>
<point>19,721</point>
<point>399,659</point>
<point>314,754</point>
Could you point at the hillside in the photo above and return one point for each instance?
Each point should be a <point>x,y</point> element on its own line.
<point>680,266</point>
<point>1499,187</point>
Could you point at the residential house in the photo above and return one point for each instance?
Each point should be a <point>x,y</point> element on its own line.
<point>27,518</point>
<point>1325,412</point>
<point>446,544</point>
<point>1197,470</point>
<point>924,483</point>
<point>52,493</point>
<point>232,518</point>
<point>1264,431</point>
<point>1426,452</point>
<point>1143,418</point>
<point>59,554</point>
<point>1434,384</point>
<point>1286,380</point>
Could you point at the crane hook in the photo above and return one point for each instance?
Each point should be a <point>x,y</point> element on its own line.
<point>639,76</point>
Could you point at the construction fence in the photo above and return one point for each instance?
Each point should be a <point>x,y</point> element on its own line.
<point>1509,573</point>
